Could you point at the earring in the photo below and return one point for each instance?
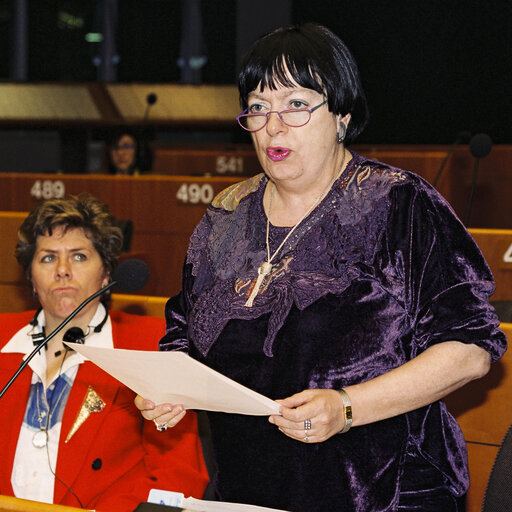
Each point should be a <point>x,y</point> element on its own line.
<point>341,134</point>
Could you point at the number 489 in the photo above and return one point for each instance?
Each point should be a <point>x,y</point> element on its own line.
<point>48,189</point>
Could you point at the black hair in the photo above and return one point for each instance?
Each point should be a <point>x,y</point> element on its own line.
<point>143,158</point>
<point>313,57</point>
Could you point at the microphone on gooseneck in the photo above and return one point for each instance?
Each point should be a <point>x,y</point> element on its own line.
<point>479,146</point>
<point>128,276</point>
<point>462,138</point>
<point>145,155</point>
<point>151,99</point>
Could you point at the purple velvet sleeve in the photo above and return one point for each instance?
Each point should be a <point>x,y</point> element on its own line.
<point>448,282</point>
<point>176,308</point>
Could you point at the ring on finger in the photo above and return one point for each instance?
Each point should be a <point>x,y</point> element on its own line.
<point>307,424</point>
<point>160,427</point>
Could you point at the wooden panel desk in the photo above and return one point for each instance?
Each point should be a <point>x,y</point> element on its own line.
<point>241,159</point>
<point>224,160</point>
<point>10,221</point>
<point>164,209</point>
<point>11,504</point>
<point>491,207</point>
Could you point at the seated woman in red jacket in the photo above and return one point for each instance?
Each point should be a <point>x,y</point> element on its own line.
<point>71,434</point>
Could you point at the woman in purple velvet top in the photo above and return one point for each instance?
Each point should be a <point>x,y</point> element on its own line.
<point>344,287</point>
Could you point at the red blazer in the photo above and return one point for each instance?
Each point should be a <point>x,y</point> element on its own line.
<point>115,457</point>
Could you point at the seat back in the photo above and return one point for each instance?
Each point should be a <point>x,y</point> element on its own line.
<point>498,494</point>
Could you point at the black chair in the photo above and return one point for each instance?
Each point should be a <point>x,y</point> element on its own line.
<point>498,494</point>
<point>127,230</point>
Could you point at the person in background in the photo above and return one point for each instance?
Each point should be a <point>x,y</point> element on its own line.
<point>71,434</point>
<point>128,154</point>
<point>344,288</point>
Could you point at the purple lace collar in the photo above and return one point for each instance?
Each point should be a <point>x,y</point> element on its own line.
<point>228,246</point>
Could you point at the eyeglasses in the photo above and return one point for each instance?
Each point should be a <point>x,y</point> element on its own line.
<point>295,118</point>
<point>124,146</point>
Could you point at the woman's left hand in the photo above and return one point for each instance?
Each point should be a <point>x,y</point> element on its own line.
<point>322,407</point>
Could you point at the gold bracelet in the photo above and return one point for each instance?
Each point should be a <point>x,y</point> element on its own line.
<point>347,411</point>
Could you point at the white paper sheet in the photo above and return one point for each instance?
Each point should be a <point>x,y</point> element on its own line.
<point>176,378</point>
<point>222,506</point>
<point>177,499</point>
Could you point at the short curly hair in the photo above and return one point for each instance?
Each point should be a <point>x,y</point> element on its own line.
<point>83,211</point>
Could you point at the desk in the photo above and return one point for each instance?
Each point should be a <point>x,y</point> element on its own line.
<point>222,160</point>
<point>11,504</point>
<point>164,209</point>
<point>491,207</point>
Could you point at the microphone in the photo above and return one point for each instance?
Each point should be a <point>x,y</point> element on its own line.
<point>462,138</point>
<point>128,276</point>
<point>480,146</point>
<point>73,335</point>
<point>145,155</point>
<point>151,99</point>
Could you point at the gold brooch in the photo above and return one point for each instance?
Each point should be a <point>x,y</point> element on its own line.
<point>92,403</point>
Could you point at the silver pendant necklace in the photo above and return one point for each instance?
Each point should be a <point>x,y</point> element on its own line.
<point>266,267</point>
<point>40,438</point>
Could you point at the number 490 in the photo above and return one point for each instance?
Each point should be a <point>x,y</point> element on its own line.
<point>195,193</point>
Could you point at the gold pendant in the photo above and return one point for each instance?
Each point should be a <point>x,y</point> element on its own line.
<point>264,270</point>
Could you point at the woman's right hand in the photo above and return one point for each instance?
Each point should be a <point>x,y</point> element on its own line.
<point>163,415</point>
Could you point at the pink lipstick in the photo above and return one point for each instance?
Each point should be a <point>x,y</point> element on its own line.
<point>277,153</point>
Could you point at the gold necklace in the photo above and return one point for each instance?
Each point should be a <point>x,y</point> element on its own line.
<point>266,267</point>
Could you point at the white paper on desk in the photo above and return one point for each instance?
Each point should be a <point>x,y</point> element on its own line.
<point>176,378</point>
<point>177,499</point>
<point>222,506</point>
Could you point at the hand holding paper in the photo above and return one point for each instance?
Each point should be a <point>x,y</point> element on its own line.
<point>176,378</point>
